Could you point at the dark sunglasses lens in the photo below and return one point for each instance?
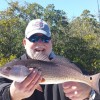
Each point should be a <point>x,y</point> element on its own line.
<point>45,39</point>
<point>35,38</point>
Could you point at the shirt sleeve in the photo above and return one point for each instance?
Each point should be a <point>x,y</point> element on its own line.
<point>97,97</point>
<point>5,89</point>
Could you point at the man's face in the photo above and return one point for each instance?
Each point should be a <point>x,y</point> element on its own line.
<point>38,47</point>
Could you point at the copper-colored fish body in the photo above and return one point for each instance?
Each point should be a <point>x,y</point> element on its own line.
<point>56,71</point>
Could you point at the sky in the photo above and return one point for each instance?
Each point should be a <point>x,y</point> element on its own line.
<point>73,8</point>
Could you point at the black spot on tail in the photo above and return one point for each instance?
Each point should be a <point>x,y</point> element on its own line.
<point>90,78</point>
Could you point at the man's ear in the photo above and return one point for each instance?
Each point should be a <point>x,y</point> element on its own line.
<point>24,42</point>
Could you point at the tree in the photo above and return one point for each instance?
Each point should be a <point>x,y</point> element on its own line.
<point>85,31</point>
<point>78,40</point>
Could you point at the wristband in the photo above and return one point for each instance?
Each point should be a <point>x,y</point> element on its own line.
<point>91,96</point>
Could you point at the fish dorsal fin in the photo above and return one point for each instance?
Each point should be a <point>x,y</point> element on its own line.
<point>37,56</point>
<point>41,56</point>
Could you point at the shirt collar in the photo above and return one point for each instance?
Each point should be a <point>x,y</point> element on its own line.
<point>52,55</point>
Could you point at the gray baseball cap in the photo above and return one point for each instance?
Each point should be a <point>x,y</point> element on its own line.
<point>37,26</point>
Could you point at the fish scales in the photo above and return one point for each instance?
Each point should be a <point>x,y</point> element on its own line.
<point>56,71</point>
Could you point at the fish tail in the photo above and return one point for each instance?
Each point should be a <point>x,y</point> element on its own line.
<point>95,82</point>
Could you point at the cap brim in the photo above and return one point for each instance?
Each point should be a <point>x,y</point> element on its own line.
<point>37,31</point>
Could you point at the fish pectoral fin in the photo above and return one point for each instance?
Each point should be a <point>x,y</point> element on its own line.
<point>39,88</point>
<point>43,80</point>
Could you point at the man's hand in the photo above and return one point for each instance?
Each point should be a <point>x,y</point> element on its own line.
<point>25,89</point>
<point>76,90</point>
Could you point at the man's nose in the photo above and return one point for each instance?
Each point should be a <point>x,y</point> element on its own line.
<point>40,41</point>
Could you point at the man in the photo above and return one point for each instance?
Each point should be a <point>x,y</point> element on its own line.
<point>38,42</point>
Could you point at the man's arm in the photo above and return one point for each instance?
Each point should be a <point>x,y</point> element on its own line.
<point>5,84</point>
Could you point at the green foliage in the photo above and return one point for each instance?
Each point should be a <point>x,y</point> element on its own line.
<point>84,42</point>
<point>3,60</point>
<point>78,40</point>
<point>10,36</point>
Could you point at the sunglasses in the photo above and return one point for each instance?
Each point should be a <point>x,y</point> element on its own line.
<point>36,38</point>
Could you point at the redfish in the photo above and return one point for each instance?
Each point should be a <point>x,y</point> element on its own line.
<point>56,71</point>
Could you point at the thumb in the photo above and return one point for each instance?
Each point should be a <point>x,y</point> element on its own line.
<point>39,88</point>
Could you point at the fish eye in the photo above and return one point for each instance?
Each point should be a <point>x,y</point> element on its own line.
<point>8,68</point>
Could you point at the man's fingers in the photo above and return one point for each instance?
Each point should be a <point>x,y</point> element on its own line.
<point>39,88</point>
<point>35,84</point>
<point>30,77</point>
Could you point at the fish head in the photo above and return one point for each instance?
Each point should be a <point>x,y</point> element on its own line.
<point>15,70</point>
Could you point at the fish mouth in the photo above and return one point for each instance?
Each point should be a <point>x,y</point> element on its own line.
<point>5,72</point>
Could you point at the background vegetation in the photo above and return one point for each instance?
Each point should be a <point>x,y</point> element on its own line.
<point>78,39</point>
